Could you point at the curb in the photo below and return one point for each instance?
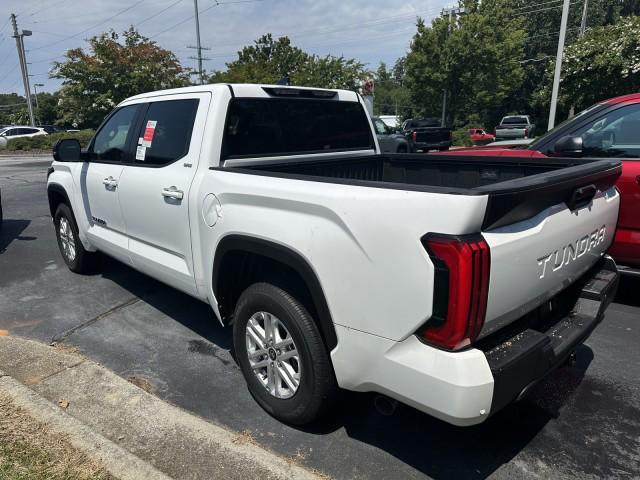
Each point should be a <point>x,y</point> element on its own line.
<point>129,431</point>
<point>116,460</point>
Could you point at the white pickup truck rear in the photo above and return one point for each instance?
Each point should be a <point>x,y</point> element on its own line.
<point>441,282</point>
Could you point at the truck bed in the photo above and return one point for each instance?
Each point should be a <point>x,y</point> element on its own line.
<point>518,188</point>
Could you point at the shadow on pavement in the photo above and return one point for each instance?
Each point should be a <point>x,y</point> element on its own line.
<point>11,230</point>
<point>431,446</point>
<point>628,291</point>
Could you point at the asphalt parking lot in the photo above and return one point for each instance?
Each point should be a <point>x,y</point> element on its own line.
<point>583,421</point>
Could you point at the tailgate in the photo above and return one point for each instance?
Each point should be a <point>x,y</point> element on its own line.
<point>432,135</point>
<point>534,259</point>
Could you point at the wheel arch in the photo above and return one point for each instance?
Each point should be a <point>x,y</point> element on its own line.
<point>56,195</point>
<point>243,260</point>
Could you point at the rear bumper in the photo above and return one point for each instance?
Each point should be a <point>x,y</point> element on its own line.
<point>430,145</point>
<point>519,362</point>
<point>464,388</point>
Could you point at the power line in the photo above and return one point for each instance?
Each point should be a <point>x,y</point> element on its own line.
<point>156,14</point>
<point>218,4</point>
<point>90,28</point>
<point>46,8</point>
<point>542,10</point>
<point>526,7</point>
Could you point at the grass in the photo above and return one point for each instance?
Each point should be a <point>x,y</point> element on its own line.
<point>29,450</point>
<point>46,142</point>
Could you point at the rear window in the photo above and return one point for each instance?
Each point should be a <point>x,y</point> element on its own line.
<point>514,120</point>
<point>258,127</point>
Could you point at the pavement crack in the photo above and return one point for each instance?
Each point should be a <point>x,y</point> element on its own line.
<point>47,377</point>
<point>67,333</point>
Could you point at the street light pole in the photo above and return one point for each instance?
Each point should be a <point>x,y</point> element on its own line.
<point>23,64</point>
<point>198,46</point>
<point>556,74</point>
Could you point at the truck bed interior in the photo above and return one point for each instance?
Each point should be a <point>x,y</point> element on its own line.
<point>449,171</point>
<point>518,188</point>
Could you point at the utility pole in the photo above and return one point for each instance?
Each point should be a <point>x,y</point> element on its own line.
<point>556,74</point>
<point>451,12</point>
<point>583,23</point>
<point>198,46</point>
<point>23,64</point>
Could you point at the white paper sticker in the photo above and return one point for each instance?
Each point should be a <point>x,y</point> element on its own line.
<point>140,140</point>
<point>141,152</point>
<point>146,143</point>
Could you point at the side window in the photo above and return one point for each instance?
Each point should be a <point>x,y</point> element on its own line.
<point>29,131</point>
<point>11,132</point>
<point>166,132</point>
<point>110,143</point>
<point>380,127</point>
<point>616,134</point>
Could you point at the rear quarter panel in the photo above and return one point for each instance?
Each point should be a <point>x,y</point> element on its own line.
<point>362,243</point>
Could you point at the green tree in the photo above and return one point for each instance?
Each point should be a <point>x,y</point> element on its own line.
<point>13,109</point>
<point>603,63</point>
<point>476,58</point>
<point>47,112</point>
<point>542,23</point>
<point>268,60</point>
<point>115,68</point>
<point>392,97</point>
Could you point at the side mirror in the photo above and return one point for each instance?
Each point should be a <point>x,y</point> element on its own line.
<point>67,150</point>
<point>568,146</point>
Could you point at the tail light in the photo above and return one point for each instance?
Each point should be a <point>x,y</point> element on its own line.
<point>414,136</point>
<point>495,132</point>
<point>461,288</point>
<point>526,133</point>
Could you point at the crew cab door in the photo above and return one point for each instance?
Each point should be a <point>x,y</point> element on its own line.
<point>155,185</point>
<point>99,182</point>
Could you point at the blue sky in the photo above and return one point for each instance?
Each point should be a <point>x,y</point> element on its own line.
<point>369,30</point>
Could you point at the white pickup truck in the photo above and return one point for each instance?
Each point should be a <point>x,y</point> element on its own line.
<point>452,283</point>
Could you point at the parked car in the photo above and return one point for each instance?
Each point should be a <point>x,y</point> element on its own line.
<point>450,288</point>
<point>388,139</point>
<point>479,137</point>
<point>391,121</point>
<point>427,134</point>
<point>51,128</point>
<point>10,133</point>
<point>609,129</point>
<point>515,126</point>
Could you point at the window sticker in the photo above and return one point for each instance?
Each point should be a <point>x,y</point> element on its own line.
<point>149,132</point>
<point>141,153</point>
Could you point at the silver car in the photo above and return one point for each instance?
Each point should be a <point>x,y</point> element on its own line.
<point>388,139</point>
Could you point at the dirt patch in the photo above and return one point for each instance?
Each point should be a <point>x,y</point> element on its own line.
<point>244,437</point>
<point>142,383</point>
<point>64,348</point>
<point>30,450</point>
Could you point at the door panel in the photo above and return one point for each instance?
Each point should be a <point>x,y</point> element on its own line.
<point>154,188</point>
<point>99,183</point>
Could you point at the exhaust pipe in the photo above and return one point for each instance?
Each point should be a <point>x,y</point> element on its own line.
<point>384,405</point>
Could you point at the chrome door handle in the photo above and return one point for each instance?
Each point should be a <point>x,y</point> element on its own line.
<point>173,192</point>
<point>110,182</point>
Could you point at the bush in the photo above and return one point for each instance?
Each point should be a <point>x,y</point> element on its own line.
<point>46,142</point>
<point>461,137</point>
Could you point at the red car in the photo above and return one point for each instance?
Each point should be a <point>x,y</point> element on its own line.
<point>479,137</point>
<point>607,129</point>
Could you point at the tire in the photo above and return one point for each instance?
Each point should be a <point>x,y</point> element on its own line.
<point>402,149</point>
<point>73,252</point>
<point>443,149</point>
<point>317,389</point>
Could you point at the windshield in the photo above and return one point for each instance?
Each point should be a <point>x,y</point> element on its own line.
<point>538,141</point>
<point>2,130</point>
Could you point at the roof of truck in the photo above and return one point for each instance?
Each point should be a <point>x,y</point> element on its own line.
<point>632,97</point>
<point>241,90</point>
